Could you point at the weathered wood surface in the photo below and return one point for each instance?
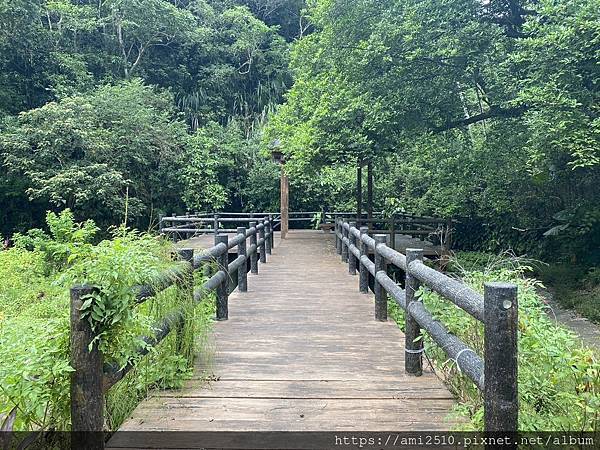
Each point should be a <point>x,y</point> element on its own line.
<point>301,351</point>
<point>198,243</point>
<point>404,241</point>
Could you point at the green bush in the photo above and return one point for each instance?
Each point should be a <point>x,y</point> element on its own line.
<point>559,379</point>
<point>34,320</point>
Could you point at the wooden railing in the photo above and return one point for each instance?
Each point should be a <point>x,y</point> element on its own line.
<point>496,373</point>
<point>91,378</point>
<point>190,225</point>
<point>435,229</point>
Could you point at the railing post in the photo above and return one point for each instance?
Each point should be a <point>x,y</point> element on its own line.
<point>363,271</point>
<point>268,232</point>
<point>380,266</point>
<point>174,233</point>
<point>160,223</point>
<point>216,224</point>
<point>272,231</point>
<point>344,245</point>
<point>338,239</point>
<point>393,233</point>
<point>501,396</point>
<point>254,256</point>
<point>351,257</point>
<point>263,246</point>
<point>413,341</point>
<point>186,234</point>
<point>223,288</point>
<point>186,285</point>
<point>87,399</point>
<point>243,270</point>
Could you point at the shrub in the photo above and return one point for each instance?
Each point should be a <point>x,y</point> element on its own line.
<point>34,320</point>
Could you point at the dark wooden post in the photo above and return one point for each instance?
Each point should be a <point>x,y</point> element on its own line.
<point>501,396</point>
<point>344,245</point>
<point>413,342</point>
<point>223,288</point>
<point>363,271</point>
<point>216,224</point>
<point>272,229</point>
<point>87,400</point>
<point>380,266</point>
<point>351,257</point>
<point>359,192</point>
<point>254,256</point>
<point>370,192</point>
<point>173,233</point>
<point>447,244</point>
<point>285,202</point>
<point>186,285</point>
<point>263,252</point>
<point>268,233</point>
<point>338,239</point>
<point>243,269</point>
<point>186,234</point>
<point>393,233</point>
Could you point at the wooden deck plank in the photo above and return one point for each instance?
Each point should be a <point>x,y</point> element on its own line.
<point>301,351</point>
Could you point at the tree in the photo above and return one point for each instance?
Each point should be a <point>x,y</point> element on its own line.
<point>482,109</point>
<point>96,153</point>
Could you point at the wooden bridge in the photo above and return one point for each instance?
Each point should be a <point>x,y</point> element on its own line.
<point>302,345</point>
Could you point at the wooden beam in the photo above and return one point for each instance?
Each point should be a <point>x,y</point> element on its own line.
<point>358,193</point>
<point>285,203</point>
<point>370,190</point>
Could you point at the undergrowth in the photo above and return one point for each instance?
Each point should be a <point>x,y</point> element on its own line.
<point>559,378</point>
<point>34,320</point>
<point>574,287</point>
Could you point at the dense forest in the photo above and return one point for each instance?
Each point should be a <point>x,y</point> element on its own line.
<point>483,111</point>
<point>487,112</point>
<point>153,103</point>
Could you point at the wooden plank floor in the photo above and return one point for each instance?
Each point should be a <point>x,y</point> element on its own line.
<point>301,351</point>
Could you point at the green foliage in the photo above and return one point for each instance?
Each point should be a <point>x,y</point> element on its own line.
<point>114,267</point>
<point>574,286</point>
<point>559,379</point>
<point>67,240</point>
<point>34,320</point>
<point>93,153</point>
<point>483,110</point>
<point>77,129</point>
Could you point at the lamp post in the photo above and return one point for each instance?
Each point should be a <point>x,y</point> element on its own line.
<point>279,158</point>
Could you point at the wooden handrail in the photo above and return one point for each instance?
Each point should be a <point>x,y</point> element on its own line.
<point>496,373</point>
<point>91,378</point>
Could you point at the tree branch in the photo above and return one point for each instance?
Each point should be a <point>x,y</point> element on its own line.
<point>494,111</point>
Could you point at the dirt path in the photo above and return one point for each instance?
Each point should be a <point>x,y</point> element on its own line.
<point>588,331</point>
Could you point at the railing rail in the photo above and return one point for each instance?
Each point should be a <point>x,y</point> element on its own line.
<point>189,225</point>
<point>91,378</point>
<point>495,374</point>
<point>435,229</point>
